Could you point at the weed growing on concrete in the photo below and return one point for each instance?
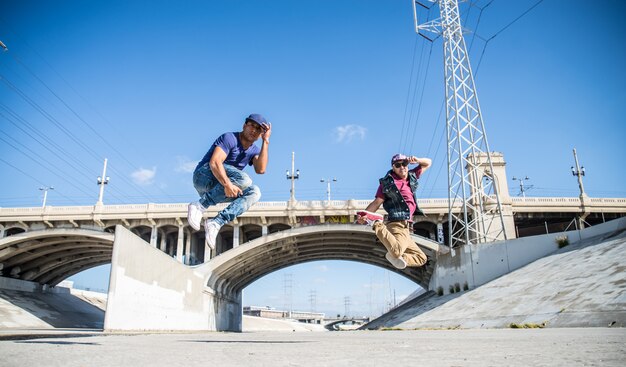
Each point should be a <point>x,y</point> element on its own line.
<point>457,287</point>
<point>465,286</point>
<point>562,241</point>
<point>440,291</point>
<point>528,325</point>
<point>451,289</point>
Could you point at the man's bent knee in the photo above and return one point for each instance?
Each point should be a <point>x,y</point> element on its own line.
<point>254,193</point>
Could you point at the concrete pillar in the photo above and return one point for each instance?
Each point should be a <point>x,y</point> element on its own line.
<point>264,230</point>
<point>440,237</point>
<point>236,230</point>
<point>188,248</point>
<point>153,236</point>
<point>163,244</point>
<point>180,243</point>
<point>501,186</point>
<point>3,231</point>
<point>207,252</point>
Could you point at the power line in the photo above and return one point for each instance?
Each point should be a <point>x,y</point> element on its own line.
<point>502,30</point>
<point>33,178</point>
<point>50,143</point>
<point>80,118</point>
<point>419,106</point>
<point>408,92</point>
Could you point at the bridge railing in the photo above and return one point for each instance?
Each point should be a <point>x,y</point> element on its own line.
<point>333,207</point>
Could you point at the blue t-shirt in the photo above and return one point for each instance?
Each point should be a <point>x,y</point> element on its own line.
<point>236,155</point>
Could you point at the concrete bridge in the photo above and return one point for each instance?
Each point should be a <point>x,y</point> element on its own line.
<point>49,244</point>
<point>162,278</point>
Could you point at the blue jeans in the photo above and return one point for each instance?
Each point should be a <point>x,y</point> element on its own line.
<point>211,192</point>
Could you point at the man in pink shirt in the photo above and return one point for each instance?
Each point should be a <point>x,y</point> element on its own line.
<point>397,194</point>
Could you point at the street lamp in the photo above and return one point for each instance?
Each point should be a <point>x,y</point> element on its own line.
<point>328,181</point>
<point>293,176</point>
<point>102,180</point>
<point>579,172</point>
<point>521,185</point>
<point>45,194</point>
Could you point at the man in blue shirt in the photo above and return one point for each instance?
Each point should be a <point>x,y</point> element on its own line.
<point>219,176</point>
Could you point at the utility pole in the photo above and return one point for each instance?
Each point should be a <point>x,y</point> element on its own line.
<point>522,190</point>
<point>474,206</point>
<point>579,172</point>
<point>45,194</point>
<point>346,303</point>
<point>293,175</point>
<point>328,181</point>
<point>102,180</point>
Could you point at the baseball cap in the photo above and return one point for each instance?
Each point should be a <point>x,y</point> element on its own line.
<point>255,117</point>
<point>399,157</point>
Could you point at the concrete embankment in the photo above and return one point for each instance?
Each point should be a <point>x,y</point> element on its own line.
<point>580,285</point>
<point>42,310</point>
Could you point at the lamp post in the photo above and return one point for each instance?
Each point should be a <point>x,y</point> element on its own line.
<point>45,194</point>
<point>102,180</point>
<point>293,175</point>
<point>328,181</point>
<point>579,172</point>
<point>521,184</point>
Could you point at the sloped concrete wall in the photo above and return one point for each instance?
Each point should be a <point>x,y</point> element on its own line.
<point>25,304</point>
<point>149,290</point>
<point>475,265</point>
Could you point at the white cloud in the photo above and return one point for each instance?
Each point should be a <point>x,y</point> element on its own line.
<point>348,132</point>
<point>144,176</point>
<point>185,165</point>
<point>321,268</point>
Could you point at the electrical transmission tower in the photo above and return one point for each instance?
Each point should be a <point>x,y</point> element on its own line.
<point>287,292</point>
<point>474,207</point>
<point>313,300</point>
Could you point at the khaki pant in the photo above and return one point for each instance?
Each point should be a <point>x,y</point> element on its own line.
<point>395,236</point>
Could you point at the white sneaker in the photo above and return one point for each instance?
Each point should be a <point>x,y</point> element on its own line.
<point>194,215</point>
<point>211,229</point>
<point>395,261</point>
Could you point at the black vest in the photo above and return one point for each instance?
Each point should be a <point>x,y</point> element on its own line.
<point>394,204</point>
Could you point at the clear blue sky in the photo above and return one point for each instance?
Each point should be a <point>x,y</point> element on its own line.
<point>150,84</point>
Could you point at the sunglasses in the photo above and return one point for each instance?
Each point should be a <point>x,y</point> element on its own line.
<point>401,164</point>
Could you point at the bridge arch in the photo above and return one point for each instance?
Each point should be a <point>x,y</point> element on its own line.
<point>52,255</point>
<point>232,271</point>
<point>142,230</point>
<point>425,228</point>
<point>13,230</point>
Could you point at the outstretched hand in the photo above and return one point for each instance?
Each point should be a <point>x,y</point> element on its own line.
<point>360,219</point>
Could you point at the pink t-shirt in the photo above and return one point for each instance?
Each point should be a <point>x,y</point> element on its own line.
<point>404,187</point>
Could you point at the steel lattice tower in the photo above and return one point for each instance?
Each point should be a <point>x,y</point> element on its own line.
<point>474,207</point>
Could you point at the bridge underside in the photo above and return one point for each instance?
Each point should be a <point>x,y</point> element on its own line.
<point>231,272</point>
<point>50,256</point>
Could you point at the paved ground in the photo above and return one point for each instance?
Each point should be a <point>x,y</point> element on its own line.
<point>482,347</point>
